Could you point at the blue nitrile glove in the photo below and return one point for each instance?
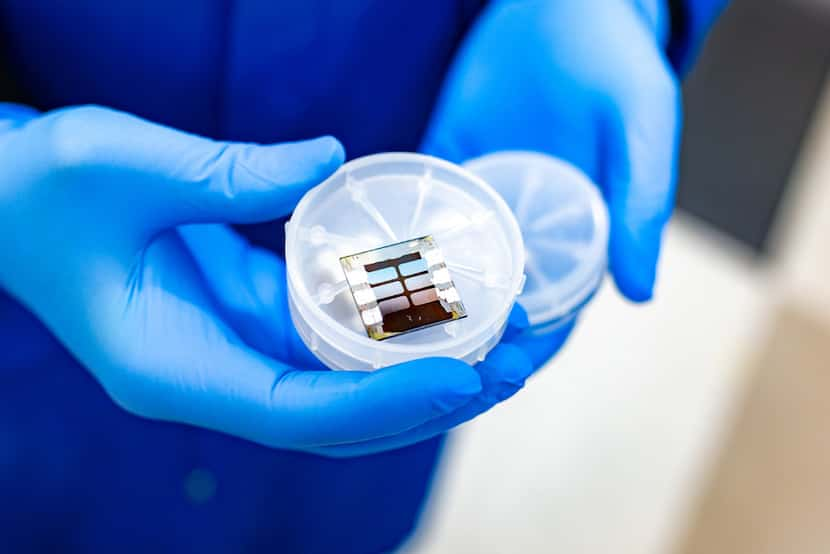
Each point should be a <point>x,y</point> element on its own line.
<point>259,312</point>
<point>110,232</point>
<point>587,81</point>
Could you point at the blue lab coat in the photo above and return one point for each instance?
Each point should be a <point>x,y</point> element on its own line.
<point>77,473</point>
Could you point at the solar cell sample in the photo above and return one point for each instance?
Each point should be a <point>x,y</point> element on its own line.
<point>402,287</point>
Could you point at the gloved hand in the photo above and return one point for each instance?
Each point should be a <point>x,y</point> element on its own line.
<point>110,232</point>
<point>583,80</point>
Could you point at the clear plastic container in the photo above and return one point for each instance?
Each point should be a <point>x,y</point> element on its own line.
<point>564,223</point>
<point>383,199</point>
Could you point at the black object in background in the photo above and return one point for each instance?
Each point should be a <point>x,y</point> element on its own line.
<point>8,88</point>
<point>749,102</point>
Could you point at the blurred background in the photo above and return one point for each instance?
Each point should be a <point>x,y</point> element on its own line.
<point>699,424</point>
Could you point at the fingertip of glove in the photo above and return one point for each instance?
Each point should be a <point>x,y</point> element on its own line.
<point>307,162</point>
<point>325,154</point>
<point>512,364</point>
<point>447,383</point>
<point>634,263</point>
<point>637,289</point>
<point>517,322</point>
<point>330,149</point>
<point>456,377</point>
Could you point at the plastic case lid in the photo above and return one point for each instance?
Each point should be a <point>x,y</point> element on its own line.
<point>564,224</point>
<point>384,199</point>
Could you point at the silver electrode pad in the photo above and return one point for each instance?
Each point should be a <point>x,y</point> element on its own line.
<point>401,256</point>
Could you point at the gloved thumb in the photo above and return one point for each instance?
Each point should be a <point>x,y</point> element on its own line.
<point>168,177</point>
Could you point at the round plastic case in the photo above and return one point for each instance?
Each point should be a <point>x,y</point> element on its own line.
<point>413,206</point>
<point>564,224</point>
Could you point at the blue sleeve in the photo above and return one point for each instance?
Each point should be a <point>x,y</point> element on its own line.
<point>691,21</point>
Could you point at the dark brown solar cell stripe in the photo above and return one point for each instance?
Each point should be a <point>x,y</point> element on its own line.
<point>400,279</point>
<point>406,292</point>
<point>425,314</point>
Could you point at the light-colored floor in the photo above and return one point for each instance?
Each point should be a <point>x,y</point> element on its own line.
<point>621,444</point>
<point>769,492</point>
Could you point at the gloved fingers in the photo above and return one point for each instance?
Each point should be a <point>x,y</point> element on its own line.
<point>169,177</point>
<point>236,390</point>
<point>248,284</point>
<point>341,407</point>
<point>642,147</point>
<point>173,357</point>
<point>503,373</point>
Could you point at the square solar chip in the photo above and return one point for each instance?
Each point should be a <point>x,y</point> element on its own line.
<point>402,287</point>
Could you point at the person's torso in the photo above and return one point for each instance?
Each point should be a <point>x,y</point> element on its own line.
<point>257,70</point>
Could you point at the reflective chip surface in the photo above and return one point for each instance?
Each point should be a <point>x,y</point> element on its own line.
<point>402,287</point>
